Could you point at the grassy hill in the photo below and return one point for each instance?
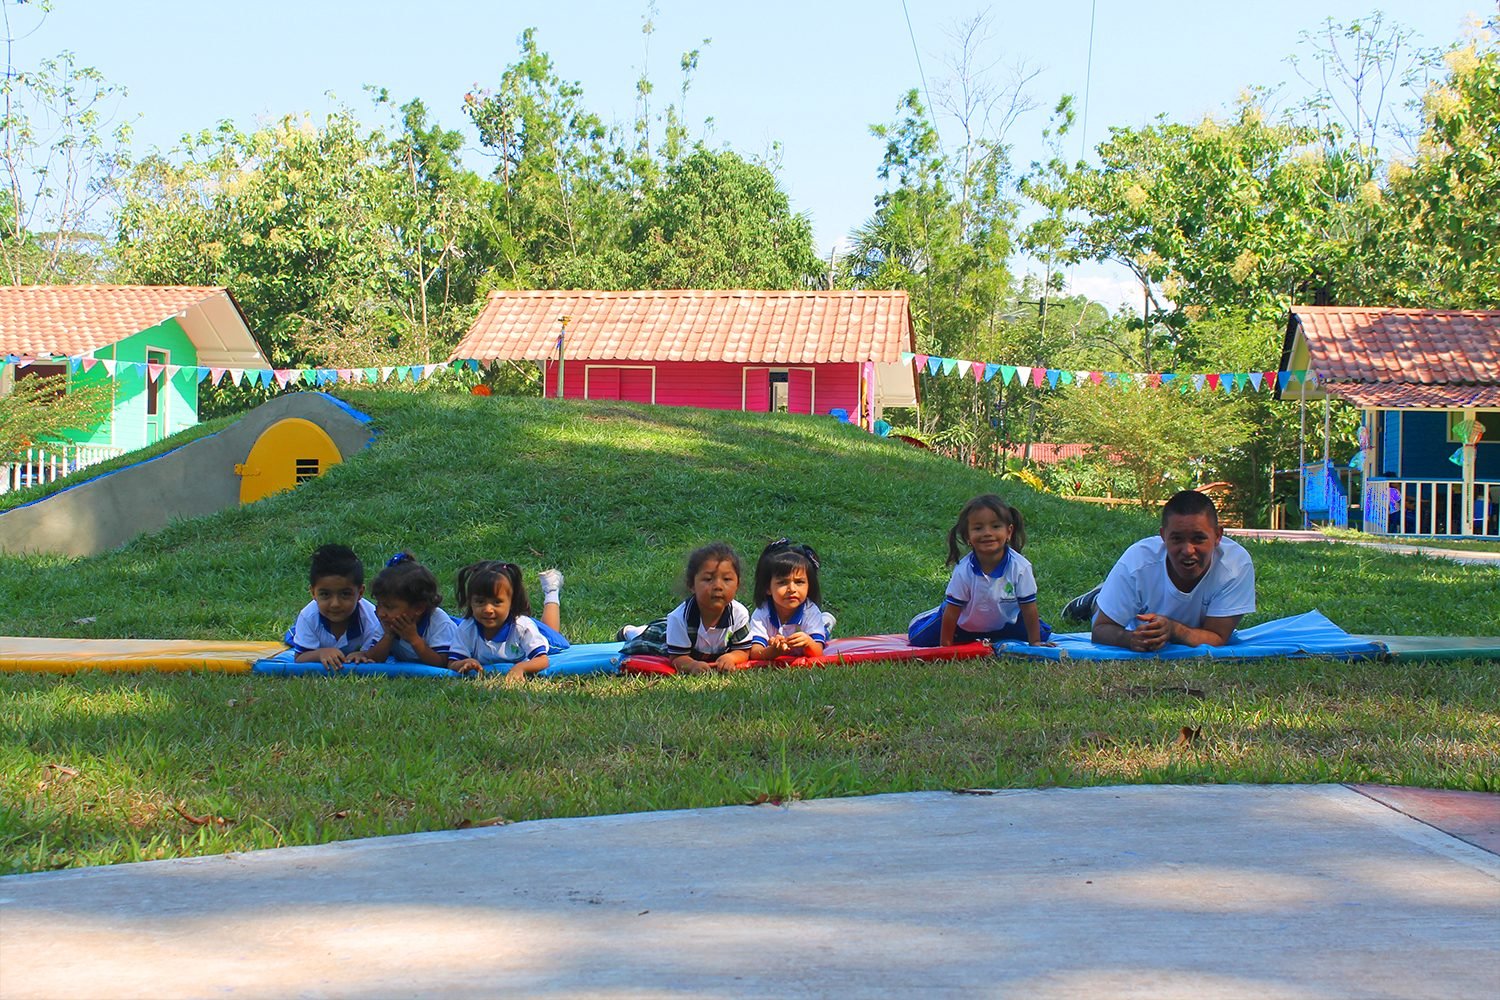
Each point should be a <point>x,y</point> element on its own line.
<point>616,495</point>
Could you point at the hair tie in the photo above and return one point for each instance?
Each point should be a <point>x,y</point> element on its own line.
<point>398,559</point>
<point>810,555</point>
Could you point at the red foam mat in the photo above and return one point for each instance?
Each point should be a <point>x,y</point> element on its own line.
<point>858,649</point>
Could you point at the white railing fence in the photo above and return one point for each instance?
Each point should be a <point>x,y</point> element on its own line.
<point>49,463</point>
<point>1431,507</point>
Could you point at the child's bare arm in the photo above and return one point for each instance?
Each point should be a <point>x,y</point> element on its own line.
<point>949,626</point>
<point>685,664</point>
<point>1033,622</point>
<point>732,660</point>
<point>520,671</point>
<point>330,656</point>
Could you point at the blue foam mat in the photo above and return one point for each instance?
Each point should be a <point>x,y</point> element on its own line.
<point>1305,635</point>
<point>575,661</point>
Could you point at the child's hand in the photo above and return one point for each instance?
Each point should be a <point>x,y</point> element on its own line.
<point>729,661</point>
<point>404,625</point>
<point>467,668</point>
<point>332,659</point>
<point>799,641</point>
<point>688,665</point>
<point>515,676</point>
<point>778,645</point>
<point>1040,642</point>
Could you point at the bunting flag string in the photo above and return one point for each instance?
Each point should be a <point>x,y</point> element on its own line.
<point>280,377</point>
<point>1043,377</point>
<point>1022,376</point>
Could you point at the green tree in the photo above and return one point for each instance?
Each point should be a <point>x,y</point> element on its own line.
<point>294,218</point>
<point>718,220</point>
<point>1164,438</point>
<point>39,409</point>
<point>1439,242</point>
<point>60,149</point>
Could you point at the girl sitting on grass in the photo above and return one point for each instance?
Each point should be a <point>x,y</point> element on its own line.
<point>497,629</point>
<point>992,593</point>
<point>406,602</point>
<point>787,620</point>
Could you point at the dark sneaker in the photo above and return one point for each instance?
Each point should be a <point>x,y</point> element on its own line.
<point>1083,607</point>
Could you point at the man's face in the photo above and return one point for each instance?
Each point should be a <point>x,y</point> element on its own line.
<point>1190,540</point>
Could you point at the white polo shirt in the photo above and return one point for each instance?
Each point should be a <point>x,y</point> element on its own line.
<point>807,618</point>
<point>311,630</point>
<point>519,639</point>
<point>731,631</point>
<point>1138,584</point>
<point>991,601</point>
<point>436,628</point>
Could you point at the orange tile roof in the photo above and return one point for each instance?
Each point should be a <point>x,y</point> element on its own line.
<point>1408,346</point>
<point>38,320</point>
<point>693,325</point>
<point>1402,396</point>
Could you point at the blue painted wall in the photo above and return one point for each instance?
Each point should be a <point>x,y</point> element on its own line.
<point>1425,448</point>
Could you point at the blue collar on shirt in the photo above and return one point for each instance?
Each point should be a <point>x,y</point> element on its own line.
<point>501,634</point>
<point>796,618</point>
<point>356,623</point>
<point>995,573</point>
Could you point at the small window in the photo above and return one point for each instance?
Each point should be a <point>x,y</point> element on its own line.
<point>1489,420</point>
<point>307,468</point>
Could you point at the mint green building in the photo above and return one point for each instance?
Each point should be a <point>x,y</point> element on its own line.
<point>152,344</point>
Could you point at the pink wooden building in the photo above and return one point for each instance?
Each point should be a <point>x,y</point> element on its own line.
<point>764,351</point>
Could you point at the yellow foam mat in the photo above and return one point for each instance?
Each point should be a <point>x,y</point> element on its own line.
<point>68,656</point>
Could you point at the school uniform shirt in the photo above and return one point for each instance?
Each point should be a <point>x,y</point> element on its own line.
<point>1138,584</point>
<point>807,618</point>
<point>991,601</point>
<point>312,631</point>
<point>689,635</point>
<point>518,639</point>
<point>436,628</point>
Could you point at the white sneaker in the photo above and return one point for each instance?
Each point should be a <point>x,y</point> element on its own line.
<point>551,581</point>
<point>828,623</point>
<point>629,632</point>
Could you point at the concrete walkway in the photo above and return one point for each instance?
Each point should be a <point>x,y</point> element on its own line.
<point>1203,891</point>
<point>1462,556</point>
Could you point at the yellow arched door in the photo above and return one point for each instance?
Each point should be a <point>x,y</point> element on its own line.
<point>288,452</point>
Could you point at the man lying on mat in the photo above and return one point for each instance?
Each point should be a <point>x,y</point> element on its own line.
<point>1188,585</point>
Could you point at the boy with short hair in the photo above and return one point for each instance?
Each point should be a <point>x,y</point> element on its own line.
<point>338,624</point>
<point>1188,584</point>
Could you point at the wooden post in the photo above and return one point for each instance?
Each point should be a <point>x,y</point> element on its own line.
<point>1467,498</point>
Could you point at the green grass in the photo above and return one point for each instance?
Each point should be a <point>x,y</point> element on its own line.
<point>93,768</point>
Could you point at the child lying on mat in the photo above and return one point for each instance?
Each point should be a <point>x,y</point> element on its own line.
<point>787,620</point>
<point>708,631</point>
<point>338,625</point>
<point>417,630</point>
<point>497,630</point>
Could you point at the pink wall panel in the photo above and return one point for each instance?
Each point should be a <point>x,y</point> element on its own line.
<point>713,385</point>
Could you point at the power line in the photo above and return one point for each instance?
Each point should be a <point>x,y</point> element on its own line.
<point>931,111</point>
<point>1088,76</point>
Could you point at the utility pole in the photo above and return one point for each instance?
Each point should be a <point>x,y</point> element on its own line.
<point>562,321</point>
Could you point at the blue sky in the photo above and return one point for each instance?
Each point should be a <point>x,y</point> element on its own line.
<point>810,75</point>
